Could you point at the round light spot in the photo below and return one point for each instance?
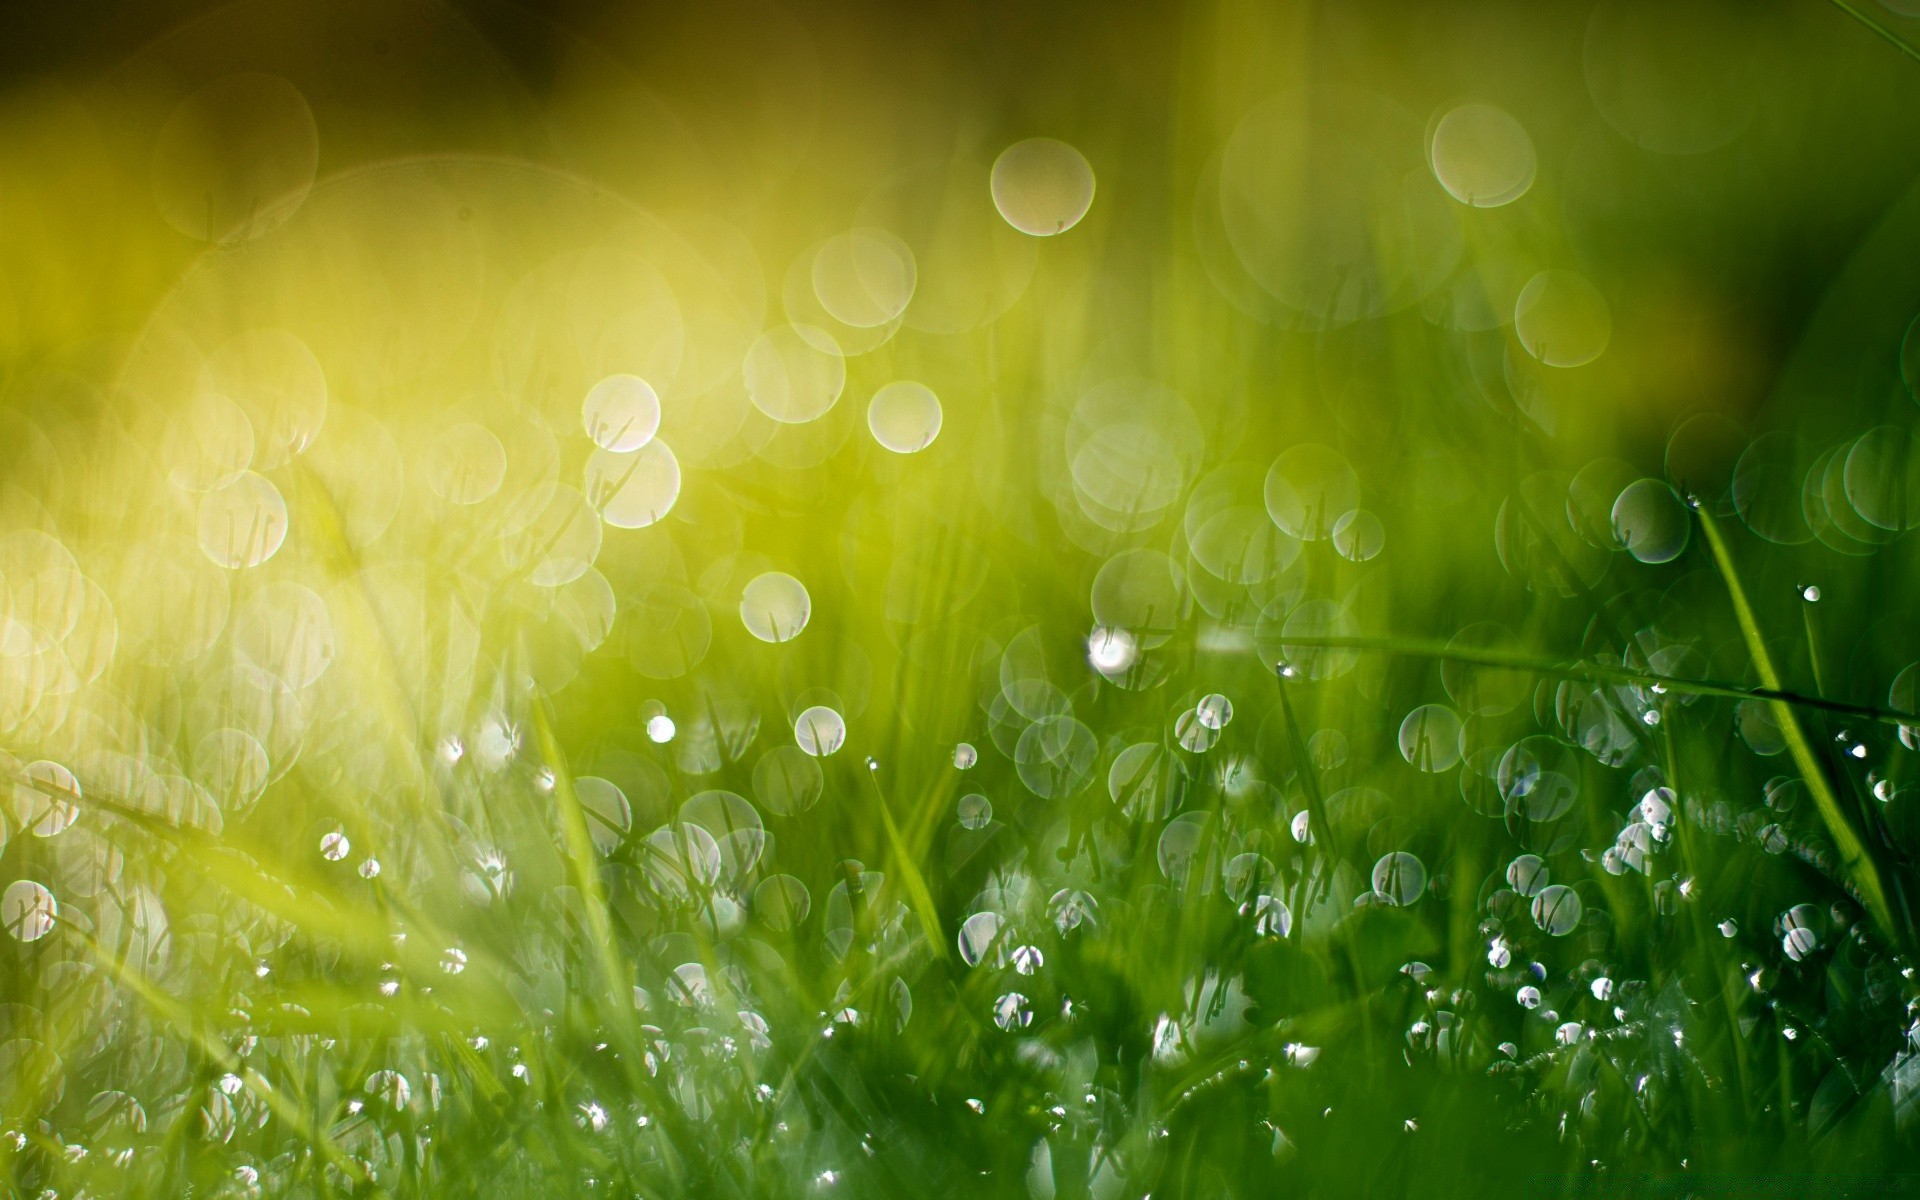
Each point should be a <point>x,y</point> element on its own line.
<point>904,416</point>
<point>1556,909</point>
<point>236,158</point>
<point>1482,156</point>
<point>28,910</point>
<point>819,731</point>
<point>633,490</point>
<point>1430,738</point>
<point>1562,319</point>
<point>864,277</point>
<point>790,378</point>
<point>974,811</point>
<point>1042,186</point>
<point>243,524</point>
<point>1651,522</point>
<point>1400,877</point>
<point>775,607</point>
<point>621,413</point>
<point>465,464</point>
<point>1358,536</point>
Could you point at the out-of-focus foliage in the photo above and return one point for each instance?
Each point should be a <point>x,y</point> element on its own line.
<point>723,600</point>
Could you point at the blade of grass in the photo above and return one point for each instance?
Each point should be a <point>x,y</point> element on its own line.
<point>295,1116</point>
<point>1858,866</point>
<point>1602,673</point>
<point>1899,43</point>
<point>917,889</point>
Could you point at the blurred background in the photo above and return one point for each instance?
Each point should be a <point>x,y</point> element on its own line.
<point>1073,601</point>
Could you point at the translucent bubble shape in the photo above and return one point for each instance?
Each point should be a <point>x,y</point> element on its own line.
<point>1042,186</point>
<point>1676,76</point>
<point>819,731</point>
<point>621,413</point>
<point>1132,446</point>
<point>1527,874</point>
<point>605,806</point>
<point>236,158</point>
<point>1358,536</point>
<point>781,902</point>
<point>1214,711</point>
<point>788,780</point>
<point>1556,909</point>
<point>677,860</point>
<point>286,631</point>
<point>1430,738</point>
<point>735,826</point>
<point>1562,320</point>
<point>1399,877</point>
<point>974,811</point>
<point>668,631</point>
<point>1145,781</point>
<point>633,490</point>
<point>1112,652</point>
<point>790,378</point>
<point>1055,757</point>
<point>1482,156</point>
<point>904,416</point>
<point>1768,488</point>
<point>1479,689</point>
<point>207,442</point>
<point>1882,478</point>
<point>464,464</point>
<point>1139,591</point>
<point>1313,620</point>
<point>28,910</point>
<point>278,383</point>
<point>243,524</point>
<point>1538,779</point>
<point>979,933</point>
<point>233,766</point>
<point>1323,203</point>
<point>1308,488</point>
<point>972,266</point>
<point>864,278</point>
<point>1187,852</point>
<point>775,607</point>
<point>1590,499</point>
<point>555,535</point>
<point>1651,522</point>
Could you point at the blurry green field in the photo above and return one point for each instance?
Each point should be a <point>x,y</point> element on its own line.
<point>1215,600</point>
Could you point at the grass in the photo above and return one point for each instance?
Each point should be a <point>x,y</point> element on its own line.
<point>1284,734</point>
